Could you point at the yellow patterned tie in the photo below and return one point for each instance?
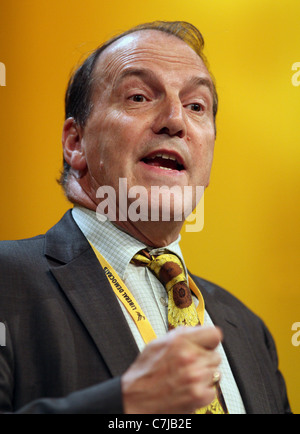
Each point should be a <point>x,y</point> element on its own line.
<point>181,308</point>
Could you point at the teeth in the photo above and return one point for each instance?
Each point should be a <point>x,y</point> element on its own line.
<point>168,157</point>
<point>165,168</point>
<point>164,156</point>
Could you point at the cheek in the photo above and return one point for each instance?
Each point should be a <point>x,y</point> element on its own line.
<point>203,157</point>
<point>209,155</point>
<point>210,152</point>
<point>111,144</point>
<point>204,142</point>
<point>120,134</point>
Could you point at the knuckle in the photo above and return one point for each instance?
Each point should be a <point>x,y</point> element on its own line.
<point>190,377</point>
<point>205,376</point>
<point>196,392</point>
<point>201,396</point>
<point>217,359</point>
<point>185,358</point>
<point>178,346</point>
<point>213,359</point>
<point>198,378</point>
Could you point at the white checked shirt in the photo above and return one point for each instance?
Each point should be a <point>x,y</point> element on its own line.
<point>118,248</point>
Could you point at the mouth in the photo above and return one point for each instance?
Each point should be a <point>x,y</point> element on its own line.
<point>165,160</point>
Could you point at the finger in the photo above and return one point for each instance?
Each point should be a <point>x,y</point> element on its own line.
<point>201,391</point>
<point>197,374</point>
<point>206,337</point>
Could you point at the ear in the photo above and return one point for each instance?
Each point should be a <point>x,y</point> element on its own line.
<point>72,145</point>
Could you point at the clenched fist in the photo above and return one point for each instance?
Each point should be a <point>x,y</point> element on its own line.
<point>174,374</point>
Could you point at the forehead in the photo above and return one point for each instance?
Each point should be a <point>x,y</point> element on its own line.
<point>150,48</point>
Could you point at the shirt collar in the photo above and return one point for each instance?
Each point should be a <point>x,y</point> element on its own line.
<point>117,247</point>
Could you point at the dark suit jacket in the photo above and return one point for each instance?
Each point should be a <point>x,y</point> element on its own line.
<point>67,342</point>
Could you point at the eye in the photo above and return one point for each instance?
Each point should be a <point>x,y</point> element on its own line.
<point>137,98</point>
<point>196,107</point>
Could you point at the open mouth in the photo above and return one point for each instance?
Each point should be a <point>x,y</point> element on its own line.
<point>164,161</point>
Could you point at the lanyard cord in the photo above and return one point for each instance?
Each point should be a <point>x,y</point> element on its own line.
<point>131,305</point>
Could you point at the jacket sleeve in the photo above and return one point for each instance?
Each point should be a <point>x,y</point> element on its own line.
<point>284,404</point>
<point>104,398</point>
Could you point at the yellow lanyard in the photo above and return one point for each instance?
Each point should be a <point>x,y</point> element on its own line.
<point>131,305</point>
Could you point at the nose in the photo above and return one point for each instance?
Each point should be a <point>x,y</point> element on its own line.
<point>170,118</point>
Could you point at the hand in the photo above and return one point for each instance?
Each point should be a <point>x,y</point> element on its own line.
<point>174,374</point>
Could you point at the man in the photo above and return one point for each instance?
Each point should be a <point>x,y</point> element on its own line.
<point>141,108</point>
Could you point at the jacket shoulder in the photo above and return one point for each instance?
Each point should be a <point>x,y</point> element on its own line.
<point>217,291</point>
<point>29,250</point>
<point>224,297</point>
<point>21,264</point>
<point>13,251</point>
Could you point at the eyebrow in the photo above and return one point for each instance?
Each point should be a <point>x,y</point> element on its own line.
<point>135,72</point>
<point>148,74</point>
<point>203,81</point>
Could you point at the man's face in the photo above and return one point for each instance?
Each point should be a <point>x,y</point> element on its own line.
<point>152,119</point>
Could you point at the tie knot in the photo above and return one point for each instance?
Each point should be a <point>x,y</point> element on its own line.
<point>167,267</point>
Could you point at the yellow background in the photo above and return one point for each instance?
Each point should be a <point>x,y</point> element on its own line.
<point>250,241</point>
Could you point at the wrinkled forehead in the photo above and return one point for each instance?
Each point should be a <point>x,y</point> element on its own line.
<point>147,46</point>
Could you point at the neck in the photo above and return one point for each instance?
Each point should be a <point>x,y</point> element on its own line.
<point>151,233</point>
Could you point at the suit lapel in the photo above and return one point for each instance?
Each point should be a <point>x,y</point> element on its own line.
<point>240,355</point>
<point>81,278</point>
